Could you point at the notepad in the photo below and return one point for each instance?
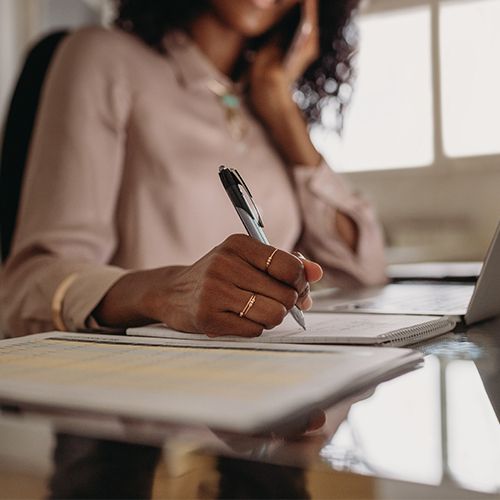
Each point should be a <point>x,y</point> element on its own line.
<point>331,328</point>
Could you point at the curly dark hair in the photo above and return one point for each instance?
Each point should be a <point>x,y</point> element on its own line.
<point>328,79</point>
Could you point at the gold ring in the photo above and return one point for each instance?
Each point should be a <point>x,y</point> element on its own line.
<point>270,259</point>
<point>248,306</point>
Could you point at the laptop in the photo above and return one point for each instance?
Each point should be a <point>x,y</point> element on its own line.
<point>467,302</point>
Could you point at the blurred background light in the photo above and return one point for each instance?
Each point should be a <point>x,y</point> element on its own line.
<point>470,51</point>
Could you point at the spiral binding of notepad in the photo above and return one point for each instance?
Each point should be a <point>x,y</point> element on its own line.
<point>419,333</point>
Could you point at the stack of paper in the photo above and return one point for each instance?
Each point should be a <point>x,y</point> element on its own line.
<point>247,387</point>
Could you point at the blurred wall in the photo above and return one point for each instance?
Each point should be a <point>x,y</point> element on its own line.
<point>23,21</point>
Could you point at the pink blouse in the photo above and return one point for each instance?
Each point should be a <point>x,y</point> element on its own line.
<point>122,175</point>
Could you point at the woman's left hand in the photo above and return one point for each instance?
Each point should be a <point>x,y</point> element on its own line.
<point>305,46</point>
<point>271,75</point>
<point>272,65</point>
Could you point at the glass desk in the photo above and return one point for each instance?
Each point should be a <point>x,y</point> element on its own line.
<point>430,433</point>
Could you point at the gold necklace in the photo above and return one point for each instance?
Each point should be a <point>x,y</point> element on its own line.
<point>231,103</point>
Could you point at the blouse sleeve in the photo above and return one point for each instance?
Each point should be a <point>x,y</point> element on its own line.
<point>66,216</point>
<point>321,193</point>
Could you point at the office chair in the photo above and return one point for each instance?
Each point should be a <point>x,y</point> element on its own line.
<point>17,132</point>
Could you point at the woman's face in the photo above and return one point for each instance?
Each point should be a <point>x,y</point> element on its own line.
<point>251,18</point>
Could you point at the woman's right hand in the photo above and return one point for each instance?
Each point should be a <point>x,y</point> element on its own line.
<point>208,296</point>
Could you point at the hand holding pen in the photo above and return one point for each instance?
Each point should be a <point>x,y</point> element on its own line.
<point>246,209</point>
<point>240,287</point>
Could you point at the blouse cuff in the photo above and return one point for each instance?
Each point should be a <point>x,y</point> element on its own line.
<point>325,185</point>
<point>84,295</point>
<point>321,193</point>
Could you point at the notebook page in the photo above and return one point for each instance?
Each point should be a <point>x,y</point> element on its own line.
<point>232,388</point>
<point>322,328</point>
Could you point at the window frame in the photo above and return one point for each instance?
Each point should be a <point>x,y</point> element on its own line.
<point>442,164</point>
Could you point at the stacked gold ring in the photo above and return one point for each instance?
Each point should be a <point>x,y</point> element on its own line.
<point>248,306</point>
<point>270,259</point>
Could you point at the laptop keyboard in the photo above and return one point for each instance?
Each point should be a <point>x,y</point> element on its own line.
<point>420,298</point>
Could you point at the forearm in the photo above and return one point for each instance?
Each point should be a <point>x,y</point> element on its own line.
<point>289,132</point>
<point>284,122</point>
<point>132,300</point>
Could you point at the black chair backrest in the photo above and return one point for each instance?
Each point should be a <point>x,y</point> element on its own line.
<point>17,133</point>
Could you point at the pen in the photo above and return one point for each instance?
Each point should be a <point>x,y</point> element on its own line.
<point>242,200</point>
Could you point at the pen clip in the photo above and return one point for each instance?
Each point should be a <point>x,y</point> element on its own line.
<point>247,196</point>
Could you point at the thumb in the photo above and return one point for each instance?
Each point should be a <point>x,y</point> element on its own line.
<point>314,272</point>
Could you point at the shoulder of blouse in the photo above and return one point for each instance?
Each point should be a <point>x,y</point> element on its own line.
<point>108,51</point>
<point>117,65</point>
<point>100,41</point>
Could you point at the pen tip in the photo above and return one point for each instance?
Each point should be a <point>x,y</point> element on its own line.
<point>302,322</point>
<point>298,316</point>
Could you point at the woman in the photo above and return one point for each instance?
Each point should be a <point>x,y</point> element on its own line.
<point>122,175</point>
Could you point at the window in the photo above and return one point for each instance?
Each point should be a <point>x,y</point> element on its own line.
<point>470,83</point>
<point>427,87</point>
